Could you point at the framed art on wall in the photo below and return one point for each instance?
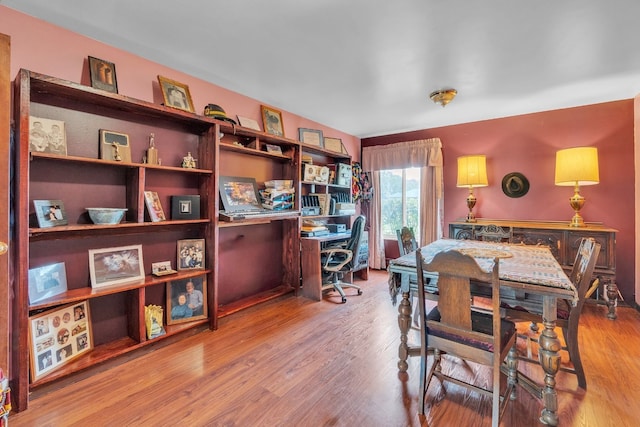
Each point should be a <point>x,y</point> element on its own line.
<point>272,121</point>
<point>116,266</point>
<point>175,94</point>
<point>103,75</point>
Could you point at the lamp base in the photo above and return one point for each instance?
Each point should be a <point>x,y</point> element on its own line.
<point>577,221</point>
<point>576,202</point>
<point>471,202</point>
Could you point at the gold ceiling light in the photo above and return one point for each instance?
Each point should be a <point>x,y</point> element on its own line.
<point>443,96</point>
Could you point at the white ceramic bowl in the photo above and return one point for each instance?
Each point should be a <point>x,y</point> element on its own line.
<point>106,215</point>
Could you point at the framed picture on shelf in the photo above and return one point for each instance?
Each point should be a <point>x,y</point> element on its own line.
<point>47,281</point>
<point>272,121</point>
<point>162,268</point>
<point>114,146</point>
<point>116,266</point>
<point>47,136</point>
<point>191,254</point>
<point>334,144</point>
<point>58,336</point>
<point>154,207</point>
<point>176,95</point>
<point>186,300</point>
<point>275,149</point>
<point>249,123</point>
<point>103,75</point>
<point>50,213</point>
<point>311,137</point>
<point>185,207</point>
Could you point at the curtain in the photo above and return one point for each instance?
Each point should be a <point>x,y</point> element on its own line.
<point>425,154</point>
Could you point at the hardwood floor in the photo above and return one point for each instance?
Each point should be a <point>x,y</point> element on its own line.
<point>295,362</point>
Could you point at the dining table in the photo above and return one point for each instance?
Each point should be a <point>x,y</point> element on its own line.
<point>530,276</point>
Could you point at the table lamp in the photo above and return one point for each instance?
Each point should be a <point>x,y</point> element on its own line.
<point>575,167</point>
<point>472,173</point>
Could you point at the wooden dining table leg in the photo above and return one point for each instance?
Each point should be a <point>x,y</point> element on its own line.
<point>404,323</point>
<point>550,361</point>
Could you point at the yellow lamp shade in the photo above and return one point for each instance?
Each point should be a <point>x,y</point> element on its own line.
<point>472,171</point>
<point>577,166</point>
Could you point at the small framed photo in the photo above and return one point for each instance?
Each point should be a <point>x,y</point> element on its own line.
<point>116,266</point>
<point>103,75</point>
<point>275,149</point>
<point>47,281</point>
<point>162,268</point>
<point>114,146</point>
<point>154,207</point>
<point>191,254</point>
<point>176,95</point>
<point>47,136</point>
<point>50,213</point>
<point>186,300</point>
<point>272,121</point>
<point>311,137</point>
<point>185,207</point>
<point>58,336</point>
<point>248,123</point>
<point>334,144</point>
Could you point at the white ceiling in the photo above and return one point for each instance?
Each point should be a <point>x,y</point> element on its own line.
<point>367,67</point>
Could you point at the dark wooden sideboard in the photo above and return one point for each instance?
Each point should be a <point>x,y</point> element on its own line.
<point>563,241</point>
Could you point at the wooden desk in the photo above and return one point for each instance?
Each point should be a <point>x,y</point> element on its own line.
<point>310,258</point>
<point>531,269</point>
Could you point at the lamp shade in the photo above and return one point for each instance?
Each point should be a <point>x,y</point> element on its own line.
<point>472,171</point>
<point>577,166</point>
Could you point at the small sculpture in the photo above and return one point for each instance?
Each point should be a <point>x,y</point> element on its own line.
<point>152,151</point>
<point>116,152</point>
<point>188,162</point>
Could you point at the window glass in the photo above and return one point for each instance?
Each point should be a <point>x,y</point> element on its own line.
<point>400,200</point>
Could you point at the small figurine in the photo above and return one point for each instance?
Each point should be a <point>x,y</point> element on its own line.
<point>152,151</point>
<point>188,162</point>
<point>116,152</point>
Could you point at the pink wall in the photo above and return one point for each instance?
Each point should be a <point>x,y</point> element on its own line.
<point>45,48</point>
<point>527,144</point>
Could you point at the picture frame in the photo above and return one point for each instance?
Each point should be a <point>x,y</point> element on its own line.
<point>114,146</point>
<point>186,300</point>
<point>154,206</point>
<point>116,266</point>
<point>162,268</point>
<point>185,207</point>
<point>249,123</point>
<point>50,213</point>
<point>176,94</point>
<point>58,336</point>
<point>274,149</point>
<point>272,121</point>
<point>191,254</point>
<point>334,144</point>
<point>47,136</point>
<point>103,75</point>
<point>311,137</point>
<point>47,281</point>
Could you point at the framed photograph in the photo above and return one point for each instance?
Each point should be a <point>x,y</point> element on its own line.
<point>311,137</point>
<point>47,281</point>
<point>191,254</point>
<point>154,207</point>
<point>114,146</point>
<point>58,336</point>
<point>334,144</point>
<point>103,75</point>
<point>116,266</point>
<point>185,207</point>
<point>272,121</point>
<point>50,213</point>
<point>186,300</point>
<point>162,268</point>
<point>273,148</point>
<point>248,123</point>
<point>47,136</point>
<point>176,95</point>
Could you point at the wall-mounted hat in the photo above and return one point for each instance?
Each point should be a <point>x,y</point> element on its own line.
<point>216,111</point>
<point>515,184</point>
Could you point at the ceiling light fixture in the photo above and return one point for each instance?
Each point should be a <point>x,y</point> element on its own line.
<point>443,96</point>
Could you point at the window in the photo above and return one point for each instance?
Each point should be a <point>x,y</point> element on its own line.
<point>400,200</point>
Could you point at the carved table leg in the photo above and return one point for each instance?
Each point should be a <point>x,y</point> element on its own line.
<point>404,323</point>
<point>550,361</point>
<point>612,299</point>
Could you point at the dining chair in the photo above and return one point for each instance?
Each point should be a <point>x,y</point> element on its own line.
<point>568,315</point>
<point>406,240</point>
<point>455,329</point>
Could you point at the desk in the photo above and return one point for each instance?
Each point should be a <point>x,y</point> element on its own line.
<point>531,269</point>
<point>310,258</point>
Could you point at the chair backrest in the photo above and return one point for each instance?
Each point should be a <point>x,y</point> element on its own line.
<point>355,241</point>
<point>583,267</point>
<point>406,240</point>
<point>494,233</point>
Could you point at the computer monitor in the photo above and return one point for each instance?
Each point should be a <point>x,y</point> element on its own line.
<point>239,194</point>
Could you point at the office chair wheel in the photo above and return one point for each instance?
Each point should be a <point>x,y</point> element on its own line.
<point>359,291</point>
<point>344,300</point>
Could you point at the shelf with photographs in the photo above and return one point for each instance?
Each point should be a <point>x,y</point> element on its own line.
<point>253,142</point>
<point>91,149</point>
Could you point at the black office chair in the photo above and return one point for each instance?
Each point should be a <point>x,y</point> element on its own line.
<point>338,261</point>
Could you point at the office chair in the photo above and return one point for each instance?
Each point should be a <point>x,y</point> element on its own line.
<point>455,329</point>
<point>338,261</point>
<point>568,316</point>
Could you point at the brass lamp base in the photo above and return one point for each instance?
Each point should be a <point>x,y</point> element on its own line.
<point>576,202</point>
<point>471,202</point>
